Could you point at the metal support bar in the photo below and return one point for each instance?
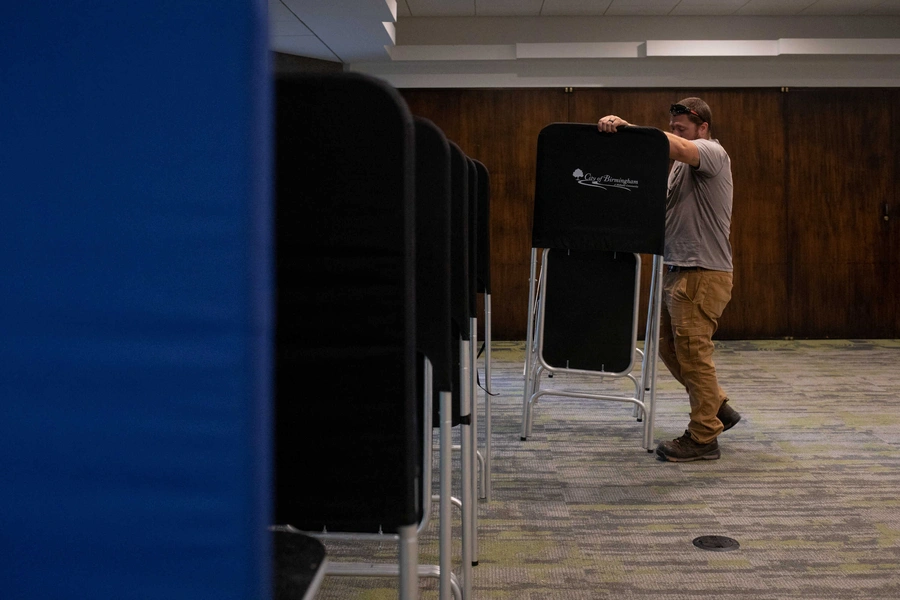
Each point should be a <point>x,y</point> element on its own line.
<point>408,549</point>
<point>446,492</point>
<point>466,465</point>
<point>453,500</point>
<point>473,396</point>
<point>428,438</point>
<point>529,343</point>
<point>645,390</point>
<point>654,356</point>
<point>488,393</point>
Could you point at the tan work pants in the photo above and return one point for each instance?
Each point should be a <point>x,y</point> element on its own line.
<point>693,301</point>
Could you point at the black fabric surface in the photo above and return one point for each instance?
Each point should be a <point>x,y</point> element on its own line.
<point>483,224</point>
<point>433,256</point>
<point>590,309</point>
<point>459,241</point>
<point>437,339</point>
<point>347,458</point>
<point>459,268</point>
<point>473,236</point>
<point>603,191</point>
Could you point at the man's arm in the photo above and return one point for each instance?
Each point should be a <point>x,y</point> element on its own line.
<point>680,149</point>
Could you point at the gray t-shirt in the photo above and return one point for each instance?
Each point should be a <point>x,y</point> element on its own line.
<point>698,211</point>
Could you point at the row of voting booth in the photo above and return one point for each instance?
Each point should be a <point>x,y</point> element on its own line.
<point>140,368</point>
<point>382,247</point>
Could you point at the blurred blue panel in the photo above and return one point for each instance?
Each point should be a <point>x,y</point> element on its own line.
<point>135,309</point>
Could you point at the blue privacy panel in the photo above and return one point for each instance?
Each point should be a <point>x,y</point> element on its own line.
<point>135,307</point>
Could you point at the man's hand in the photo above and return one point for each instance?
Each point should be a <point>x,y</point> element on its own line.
<point>609,123</point>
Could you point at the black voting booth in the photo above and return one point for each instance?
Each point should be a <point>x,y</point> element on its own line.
<point>462,315</point>
<point>434,300</point>
<point>599,203</point>
<point>372,299</point>
<point>349,459</point>
<point>478,280</point>
<point>482,192</point>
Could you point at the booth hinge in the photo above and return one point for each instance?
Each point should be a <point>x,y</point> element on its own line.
<point>785,89</point>
<point>568,90</point>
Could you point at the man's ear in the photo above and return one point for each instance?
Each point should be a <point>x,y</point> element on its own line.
<point>704,129</point>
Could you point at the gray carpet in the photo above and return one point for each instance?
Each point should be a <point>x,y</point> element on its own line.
<point>808,485</point>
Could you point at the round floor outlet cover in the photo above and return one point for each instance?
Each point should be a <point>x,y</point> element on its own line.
<point>716,543</point>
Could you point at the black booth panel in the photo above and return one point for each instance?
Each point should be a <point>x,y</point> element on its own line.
<point>433,259</point>
<point>483,275</point>
<point>459,241</point>
<point>603,191</point>
<point>347,456</point>
<point>433,256</point>
<point>473,236</point>
<point>459,267</point>
<point>589,303</point>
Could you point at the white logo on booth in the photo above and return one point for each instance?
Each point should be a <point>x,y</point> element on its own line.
<point>605,181</point>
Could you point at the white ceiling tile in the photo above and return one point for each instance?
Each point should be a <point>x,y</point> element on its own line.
<point>295,27</point>
<point>279,12</point>
<point>885,8</point>
<point>354,30</point>
<point>441,8</point>
<point>508,8</point>
<point>642,8</point>
<point>574,8</point>
<point>302,45</point>
<point>773,8</point>
<point>839,7</point>
<point>707,8</point>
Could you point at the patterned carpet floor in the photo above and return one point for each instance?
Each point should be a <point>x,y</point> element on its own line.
<point>808,485</point>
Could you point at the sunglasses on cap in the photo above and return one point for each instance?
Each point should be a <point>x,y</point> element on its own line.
<point>681,109</point>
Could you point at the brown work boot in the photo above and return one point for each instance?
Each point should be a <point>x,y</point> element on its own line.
<point>728,415</point>
<point>685,449</point>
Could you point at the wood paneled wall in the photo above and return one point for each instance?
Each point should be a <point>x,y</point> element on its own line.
<point>813,171</point>
<point>892,202</point>
<point>840,176</point>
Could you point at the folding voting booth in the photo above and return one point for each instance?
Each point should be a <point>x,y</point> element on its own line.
<point>373,297</point>
<point>482,191</point>
<point>599,204</point>
<point>434,331</point>
<point>349,460</point>
<point>462,315</point>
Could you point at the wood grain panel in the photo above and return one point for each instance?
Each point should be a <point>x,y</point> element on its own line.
<point>893,202</point>
<point>839,176</point>
<point>437,105</point>
<point>812,171</point>
<point>749,124</point>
